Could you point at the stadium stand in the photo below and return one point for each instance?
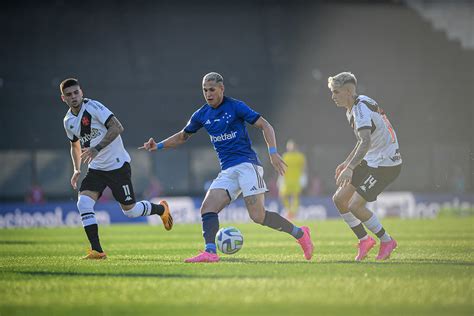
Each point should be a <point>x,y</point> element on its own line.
<point>145,60</point>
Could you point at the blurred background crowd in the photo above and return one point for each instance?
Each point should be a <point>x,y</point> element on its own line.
<point>145,61</point>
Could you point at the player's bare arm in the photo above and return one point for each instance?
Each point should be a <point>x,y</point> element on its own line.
<point>114,128</point>
<point>362,148</point>
<point>171,142</point>
<point>344,164</point>
<point>270,139</point>
<point>76,162</point>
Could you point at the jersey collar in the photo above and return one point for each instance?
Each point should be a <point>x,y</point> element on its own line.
<point>355,102</point>
<point>223,101</point>
<point>84,101</point>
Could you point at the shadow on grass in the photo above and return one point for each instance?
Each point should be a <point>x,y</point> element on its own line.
<point>127,275</point>
<point>17,242</point>
<point>245,260</point>
<point>420,261</point>
<point>317,261</point>
<point>224,259</point>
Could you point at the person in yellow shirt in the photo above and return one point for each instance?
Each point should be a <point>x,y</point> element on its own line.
<point>292,183</point>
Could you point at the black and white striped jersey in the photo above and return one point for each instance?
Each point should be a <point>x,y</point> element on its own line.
<point>89,127</point>
<point>384,149</point>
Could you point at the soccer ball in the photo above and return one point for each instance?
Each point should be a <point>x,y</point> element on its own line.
<point>229,240</point>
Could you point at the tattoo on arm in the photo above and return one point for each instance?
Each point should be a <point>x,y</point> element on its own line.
<point>176,139</point>
<point>114,128</point>
<point>251,200</point>
<point>362,149</point>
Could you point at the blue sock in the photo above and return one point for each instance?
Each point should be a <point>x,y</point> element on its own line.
<point>297,232</point>
<point>211,248</point>
<point>210,226</point>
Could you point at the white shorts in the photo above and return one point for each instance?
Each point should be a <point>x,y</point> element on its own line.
<point>245,178</point>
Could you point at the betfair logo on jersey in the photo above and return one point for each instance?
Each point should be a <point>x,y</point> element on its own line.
<point>223,137</point>
<point>87,137</point>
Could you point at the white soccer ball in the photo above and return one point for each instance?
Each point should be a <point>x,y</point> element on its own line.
<point>229,240</point>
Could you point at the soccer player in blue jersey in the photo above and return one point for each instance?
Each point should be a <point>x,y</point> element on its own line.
<point>224,119</point>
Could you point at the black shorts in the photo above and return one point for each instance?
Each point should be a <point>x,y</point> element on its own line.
<point>370,182</point>
<point>119,181</point>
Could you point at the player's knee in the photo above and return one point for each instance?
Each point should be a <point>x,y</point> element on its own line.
<point>341,203</point>
<point>132,212</point>
<point>125,207</point>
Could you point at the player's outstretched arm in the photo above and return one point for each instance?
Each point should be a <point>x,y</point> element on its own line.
<point>76,162</point>
<point>173,141</point>
<point>114,128</point>
<point>269,136</point>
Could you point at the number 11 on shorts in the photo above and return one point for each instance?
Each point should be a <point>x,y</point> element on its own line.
<point>126,189</point>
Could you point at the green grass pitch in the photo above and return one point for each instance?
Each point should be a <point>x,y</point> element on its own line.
<point>431,272</point>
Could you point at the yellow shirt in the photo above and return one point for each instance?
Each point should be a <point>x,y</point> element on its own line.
<point>296,162</point>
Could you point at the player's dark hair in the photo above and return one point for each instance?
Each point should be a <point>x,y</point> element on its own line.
<point>69,82</point>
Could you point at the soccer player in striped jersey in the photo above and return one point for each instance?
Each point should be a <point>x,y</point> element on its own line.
<point>373,164</point>
<point>225,119</point>
<point>94,135</point>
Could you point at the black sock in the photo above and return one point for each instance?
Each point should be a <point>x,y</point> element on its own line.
<point>157,209</point>
<point>210,226</point>
<point>278,222</point>
<point>380,233</point>
<point>359,230</point>
<point>92,232</point>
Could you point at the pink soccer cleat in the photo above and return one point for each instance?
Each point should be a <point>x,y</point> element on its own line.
<point>364,247</point>
<point>203,257</point>
<point>386,249</point>
<point>306,243</point>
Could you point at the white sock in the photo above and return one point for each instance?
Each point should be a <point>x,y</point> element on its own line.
<point>142,208</point>
<point>353,221</point>
<point>85,205</point>
<point>374,225</point>
<point>350,219</point>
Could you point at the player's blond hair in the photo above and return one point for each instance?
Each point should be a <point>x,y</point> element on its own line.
<point>341,79</point>
<point>213,76</point>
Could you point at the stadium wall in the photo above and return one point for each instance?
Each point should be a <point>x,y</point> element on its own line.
<point>186,210</point>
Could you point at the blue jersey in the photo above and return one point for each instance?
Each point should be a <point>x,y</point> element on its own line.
<point>226,128</point>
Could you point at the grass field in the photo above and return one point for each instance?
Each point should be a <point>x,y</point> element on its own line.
<point>431,273</point>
